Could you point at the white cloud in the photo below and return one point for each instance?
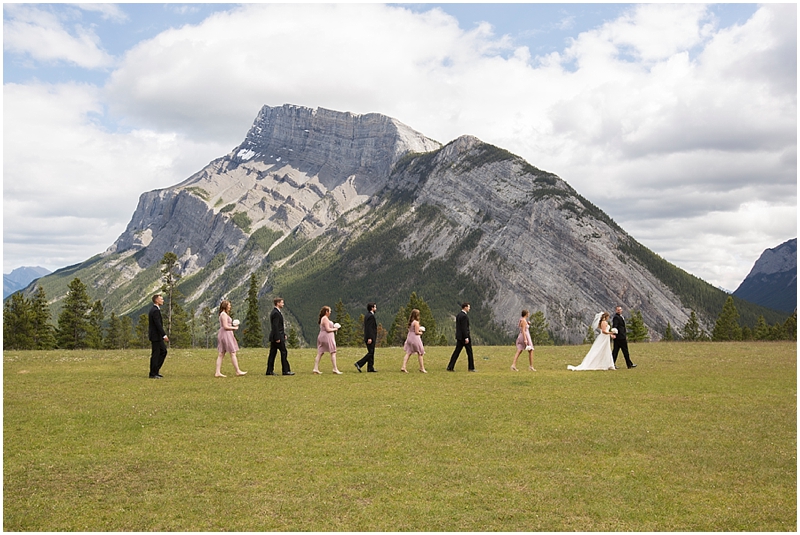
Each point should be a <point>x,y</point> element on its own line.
<point>720,243</point>
<point>43,36</point>
<point>70,186</point>
<point>110,12</point>
<point>666,122</point>
<point>654,32</point>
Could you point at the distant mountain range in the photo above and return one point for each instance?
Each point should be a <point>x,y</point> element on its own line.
<point>773,280</point>
<point>20,278</point>
<point>323,205</point>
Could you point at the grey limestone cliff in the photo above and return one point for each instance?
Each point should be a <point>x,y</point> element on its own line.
<point>540,244</point>
<point>298,168</point>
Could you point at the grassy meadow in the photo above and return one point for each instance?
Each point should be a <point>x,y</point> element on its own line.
<point>699,437</point>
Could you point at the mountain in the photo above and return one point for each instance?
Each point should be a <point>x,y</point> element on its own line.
<point>20,278</point>
<point>773,280</point>
<point>324,205</point>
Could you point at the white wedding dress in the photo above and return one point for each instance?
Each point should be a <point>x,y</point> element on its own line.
<point>599,355</point>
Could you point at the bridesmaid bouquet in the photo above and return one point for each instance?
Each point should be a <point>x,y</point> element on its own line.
<point>235,323</point>
<point>528,348</point>
<point>421,328</point>
<point>336,325</point>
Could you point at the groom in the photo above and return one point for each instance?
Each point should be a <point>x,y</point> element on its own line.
<point>462,340</point>
<point>370,337</point>
<point>621,340</point>
<point>277,340</point>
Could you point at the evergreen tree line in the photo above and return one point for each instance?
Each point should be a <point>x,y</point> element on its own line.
<point>81,323</point>
<point>726,328</point>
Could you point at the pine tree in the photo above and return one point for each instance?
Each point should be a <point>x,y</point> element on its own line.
<point>253,336</point>
<point>590,336</point>
<point>95,330</point>
<point>292,340</point>
<point>114,335</point>
<point>17,323</point>
<point>358,336</point>
<point>692,331</point>
<point>430,337</point>
<point>761,330</point>
<point>382,335</point>
<point>776,332</point>
<point>727,325</point>
<point>538,329</point>
<point>193,325</point>
<point>346,333</point>
<point>790,327</point>
<point>43,332</point>
<point>170,272</point>
<point>637,331</point>
<point>142,334</point>
<point>73,323</point>
<point>747,333</point>
<point>399,329</point>
<point>206,321</point>
<point>668,335</point>
<point>180,337</point>
<point>128,334</point>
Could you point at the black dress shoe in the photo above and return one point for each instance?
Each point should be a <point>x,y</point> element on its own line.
<point>371,371</point>
<point>270,373</point>
<point>450,369</point>
<point>287,373</point>
<point>357,367</point>
<point>160,376</point>
<point>631,366</point>
<point>155,377</point>
<point>472,370</point>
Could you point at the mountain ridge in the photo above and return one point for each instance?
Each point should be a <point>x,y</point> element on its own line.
<point>316,202</point>
<point>21,277</point>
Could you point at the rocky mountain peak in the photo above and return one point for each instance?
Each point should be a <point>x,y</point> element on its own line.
<point>329,144</point>
<point>298,168</point>
<point>773,280</point>
<point>776,260</point>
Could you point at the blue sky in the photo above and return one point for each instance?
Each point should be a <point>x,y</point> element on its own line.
<point>678,120</point>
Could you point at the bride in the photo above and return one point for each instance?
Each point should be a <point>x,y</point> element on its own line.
<point>599,356</point>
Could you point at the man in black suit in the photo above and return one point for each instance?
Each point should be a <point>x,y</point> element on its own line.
<point>462,340</point>
<point>370,337</point>
<point>277,340</point>
<point>158,338</point>
<point>621,339</point>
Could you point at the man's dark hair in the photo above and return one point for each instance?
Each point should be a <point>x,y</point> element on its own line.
<point>277,300</point>
<point>156,297</point>
<point>370,306</point>
<point>464,305</point>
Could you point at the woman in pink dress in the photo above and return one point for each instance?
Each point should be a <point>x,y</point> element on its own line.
<point>326,341</point>
<point>524,342</point>
<point>226,342</point>
<point>414,341</point>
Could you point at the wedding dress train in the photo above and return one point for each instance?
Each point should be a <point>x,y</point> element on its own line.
<point>599,356</point>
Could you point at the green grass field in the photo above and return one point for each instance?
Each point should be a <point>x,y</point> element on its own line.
<point>699,437</point>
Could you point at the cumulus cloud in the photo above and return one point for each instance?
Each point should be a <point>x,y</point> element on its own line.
<point>69,185</point>
<point>673,126</point>
<point>44,37</point>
